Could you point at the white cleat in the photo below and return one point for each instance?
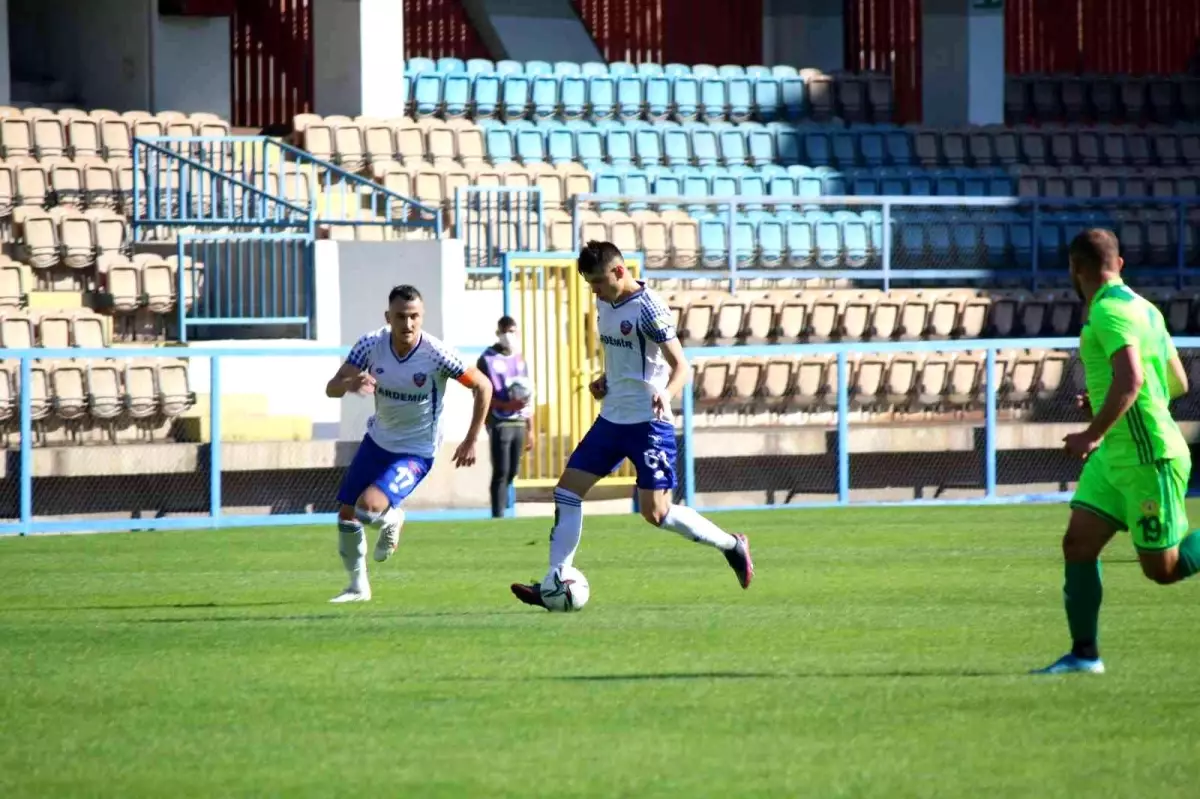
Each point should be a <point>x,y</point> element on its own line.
<point>1069,664</point>
<point>389,534</point>
<point>352,595</point>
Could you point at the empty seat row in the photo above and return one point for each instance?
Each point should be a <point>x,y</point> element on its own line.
<point>1083,183</point>
<point>478,66</point>
<point>908,382</point>
<point>1099,146</point>
<point>149,282</point>
<point>1101,97</point>
<point>78,327</point>
<point>79,137</point>
<point>68,237</point>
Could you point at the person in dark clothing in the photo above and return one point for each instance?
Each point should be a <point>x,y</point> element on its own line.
<point>510,422</point>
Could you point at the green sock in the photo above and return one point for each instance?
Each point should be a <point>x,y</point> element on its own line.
<point>1189,555</point>
<point>1081,595</point>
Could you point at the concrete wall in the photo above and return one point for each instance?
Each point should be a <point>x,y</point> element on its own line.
<point>526,30</point>
<point>191,65</point>
<point>804,33</point>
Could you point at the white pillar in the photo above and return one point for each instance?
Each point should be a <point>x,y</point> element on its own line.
<point>381,26</point>
<point>963,61</point>
<point>358,58</point>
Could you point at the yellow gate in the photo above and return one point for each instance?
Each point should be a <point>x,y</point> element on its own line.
<point>556,312</point>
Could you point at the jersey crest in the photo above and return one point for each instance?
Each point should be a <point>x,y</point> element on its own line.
<point>626,327</point>
<point>419,379</point>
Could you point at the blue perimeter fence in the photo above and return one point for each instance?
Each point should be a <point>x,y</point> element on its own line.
<point>831,472</point>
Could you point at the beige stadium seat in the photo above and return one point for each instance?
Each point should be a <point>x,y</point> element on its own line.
<point>110,232</point>
<point>100,189</point>
<point>578,183</point>
<point>148,129</point>
<point>656,246</point>
<point>825,316</point>
<point>429,187</point>
<point>318,140</point>
<point>857,314</point>
<point>67,182</point>
<point>8,190</point>
<point>123,283</point>
<point>13,287</point>
<point>945,313</point>
<point>1177,311</point>
<point>900,382</point>
<point>105,393</point>
<point>698,319</point>
<point>115,138</point>
<point>301,121</point>
<point>69,396</point>
<point>410,146</point>
<point>349,152</point>
<point>49,138</point>
<point>171,116</point>
<point>685,244</point>
<point>441,146</point>
<point>77,239</point>
<point>932,381</point>
<point>677,305</point>
<point>812,382</point>
<point>729,322</point>
<point>54,331</point>
<point>158,286</point>
<point>1063,311</point>
<point>16,331</point>
<point>963,384</point>
<point>140,379</point>
<point>714,384</point>
<point>759,327</point>
<point>914,320</point>
<point>867,384</point>
<point>625,235</point>
<point>41,249</point>
<point>973,318</point>
<point>470,146</point>
<point>103,113</point>
<point>562,235</point>
<point>87,330</point>
<point>595,230</point>
<point>33,185</point>
<point>551,185</point>
<point>8,393</point>
<point>1022,384</point>
<point>777,381</point>
<point>1052,375</point>
<point>794,320</point>
<point>747,379</point>
<point>16,138</point>
<point>380,147</point>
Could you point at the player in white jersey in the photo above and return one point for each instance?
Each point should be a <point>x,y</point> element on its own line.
<point>407,371</point>
<point>644,368</point>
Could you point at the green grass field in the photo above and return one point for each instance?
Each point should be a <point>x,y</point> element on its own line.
<point>879,653</point>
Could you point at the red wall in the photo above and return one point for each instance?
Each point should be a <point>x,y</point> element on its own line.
<point>681,31</point>
<point>440,29</point>
<point>1123,37</point>
<point>271,48</point>
<point>885,36</point>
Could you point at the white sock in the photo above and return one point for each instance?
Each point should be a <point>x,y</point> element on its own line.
<point>568,528</point>
<point>352,546</point>
<point>690,524</point>
<point>367,517</point>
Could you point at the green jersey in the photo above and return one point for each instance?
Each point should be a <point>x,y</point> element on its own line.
<point>1118,318</point>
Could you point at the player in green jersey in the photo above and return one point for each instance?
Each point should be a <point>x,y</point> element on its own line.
<point>1136,462</point>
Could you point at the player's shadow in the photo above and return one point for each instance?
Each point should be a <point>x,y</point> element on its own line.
<point>753,675</point>
<point>170,606</point>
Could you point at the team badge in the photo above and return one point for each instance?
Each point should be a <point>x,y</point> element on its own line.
<point>626,327</point>
<point>1150,508</point>
<point>419,379</point>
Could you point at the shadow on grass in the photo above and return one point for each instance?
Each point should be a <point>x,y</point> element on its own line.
<point>751,675</point>
<point>171,606</point>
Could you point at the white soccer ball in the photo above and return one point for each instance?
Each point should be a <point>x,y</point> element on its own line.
<point>520,388</point>
<point>565,590</point>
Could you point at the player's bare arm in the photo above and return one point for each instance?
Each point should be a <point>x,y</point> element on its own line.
<point>1177,378</point>
<point>672,352</point>
<point>349,380</point>
<point>481,388</point>
<point>1126,383</point>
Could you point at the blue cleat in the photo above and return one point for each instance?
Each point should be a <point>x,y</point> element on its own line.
<point>1070,664</point>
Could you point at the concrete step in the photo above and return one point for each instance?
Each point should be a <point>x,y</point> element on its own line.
<point>246,427</point>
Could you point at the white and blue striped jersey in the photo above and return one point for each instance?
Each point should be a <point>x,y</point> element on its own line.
<point>410,392</point>
<point>631,331</point>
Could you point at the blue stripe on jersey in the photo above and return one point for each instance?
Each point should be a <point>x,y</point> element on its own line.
<point>412,352</point>
<point>641,337</point>
<point>433,399</point>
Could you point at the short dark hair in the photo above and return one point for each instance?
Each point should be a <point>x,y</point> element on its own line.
<point>1094,249</point>
<point>596,256</point>
<point>406,293</point>
<point>506,322</point>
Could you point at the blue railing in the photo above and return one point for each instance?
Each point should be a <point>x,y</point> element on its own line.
<point>1038,257</point>
<point>493,220</point>
<point>209,460</point>
<point>841,480</point>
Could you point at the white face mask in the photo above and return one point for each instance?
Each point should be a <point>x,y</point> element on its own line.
<point>510,342</point>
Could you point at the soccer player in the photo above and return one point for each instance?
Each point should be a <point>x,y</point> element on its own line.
<point>1136,462</point>
<point>644,368</point>
<point>406,370</point>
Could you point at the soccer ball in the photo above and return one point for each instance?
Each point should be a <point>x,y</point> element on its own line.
<point>565,590</point>
<point>520,388</point>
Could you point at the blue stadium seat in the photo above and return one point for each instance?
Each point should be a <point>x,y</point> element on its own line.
<point>629,97</point>
<point>456,95</point>
<point>418,65</point>
<point>602,96</point>
<point>697,188</point>
<point>899,148</point>
<point>947,185</point>
<point>864,186</point>
<point>967,240</point>
<point>704,71</point>
<point>760,145</point>
<point>621,69</point>
<point>535,68</point>
<point>544,96</point>
<point>783,186</point>
<point>832,183</point>
<point>874,221</point>
<point>510,67</point>
<point>1001,187</point>
<point>676,147</point>
<point>591,68</point>
<point>872,149</point>
<point>940,245</point>
<point>770,243</point>
<point>1020,234</point>
<point>768,99</point>
<point>427,94</point>
<point>515,95</point>
<point>573,96</point>
<point>499,143</point>
<point>608,183</point>
<point>619,145</point>
<point>668,185</point>
<point>893,186</point>
<point>740,98</point>
<point>724,186</point>
<point>606,125</point>
<point>449,65</point>
<point>637,184</point>
<point>485,94</point>
<point>801,244</point>
<point>685,98</point>
<point>649,69</point>
<point>844,146</point>
<point>920,185</point>
<point>783,71</point>
<point>788,147</point>
<point>756,71</point>
<point>648,146</point>
<point>579,124</point>
<point>714,244</point>
<point>995,245</point>
<point>751,185</point>
<point>817,149</point>
<point>974,184</point>
<point>829,243</point>
<point>731,71</point>
<point>563,68</point>
<point>714,99</point>
<point>1051,245</point>
<point>531,146</point>
<point>658,97</point>
<point>856,241</point>
<point>733,147</point>
<point>478,66</point>
<point>560,145</point>
<point>793,93</point>
<point>705,149</point>
<point>744,248</point>
<point>589,147</point>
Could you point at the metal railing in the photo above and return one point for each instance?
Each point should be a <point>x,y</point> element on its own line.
<point>885,259</point>
<point>494,220</point>
<point>838,458</point>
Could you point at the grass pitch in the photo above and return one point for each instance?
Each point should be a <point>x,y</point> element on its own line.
<point>879,653</point>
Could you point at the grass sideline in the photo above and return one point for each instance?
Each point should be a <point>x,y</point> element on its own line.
<point>880,653</point>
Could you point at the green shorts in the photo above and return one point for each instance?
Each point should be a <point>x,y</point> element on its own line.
<point>1146,500</point>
